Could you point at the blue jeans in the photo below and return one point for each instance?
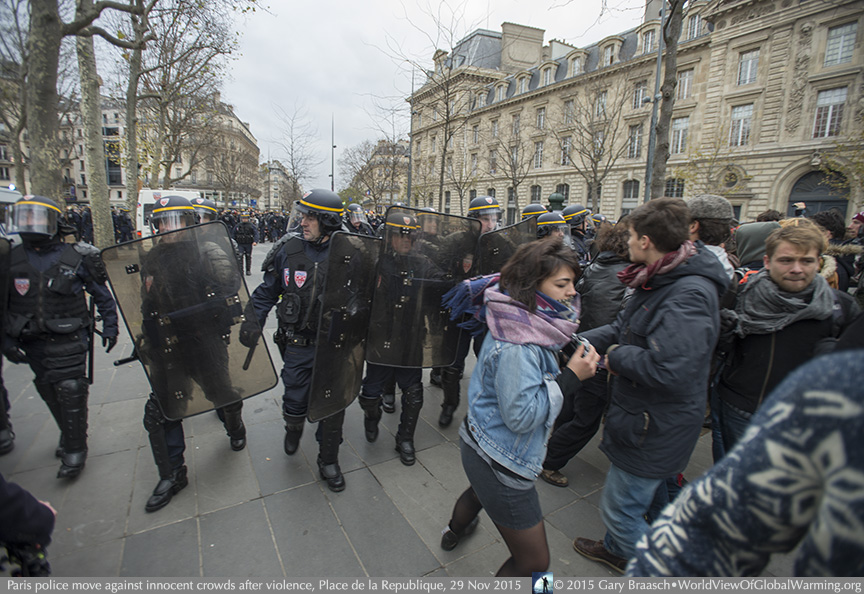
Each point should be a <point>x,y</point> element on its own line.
<point>626,500</point>
<point>733,424</point>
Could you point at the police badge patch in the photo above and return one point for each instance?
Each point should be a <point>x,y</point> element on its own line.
<point>286,276</point>
<point>300,278</point>
<point>22,285</point>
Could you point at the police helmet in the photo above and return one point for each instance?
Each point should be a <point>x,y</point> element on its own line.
<point>401,222</point>
<point>482,205</point>
<point>552,223</point>
<point>34,217</point>
<point>171,213</point>
<point>598,219</point>
<point>326,205</point>
<point>533,210</point>
<point>575,214</point>
<point>355,213</point>
<point>205,209</point>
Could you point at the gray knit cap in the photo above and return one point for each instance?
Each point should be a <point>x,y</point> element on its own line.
<point>710,206</point>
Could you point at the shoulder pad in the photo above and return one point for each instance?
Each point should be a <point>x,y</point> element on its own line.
<point>85,249</point>
<point>271,255</point>
<point>92,258</point>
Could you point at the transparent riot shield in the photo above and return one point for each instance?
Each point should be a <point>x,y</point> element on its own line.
<point>182,297</point>
<point>340,344</point>
<point>409,327</point>
<point>496,247</point>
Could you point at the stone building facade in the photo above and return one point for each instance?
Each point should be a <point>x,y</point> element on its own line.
<point>767,90</point>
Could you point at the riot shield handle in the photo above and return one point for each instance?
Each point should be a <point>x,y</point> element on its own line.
<point>129,359</point>
<point>248,360</point>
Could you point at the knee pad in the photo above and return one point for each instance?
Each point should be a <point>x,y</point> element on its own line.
<point>413,395</point>
<point>71,390</point>
<point>154,420</point>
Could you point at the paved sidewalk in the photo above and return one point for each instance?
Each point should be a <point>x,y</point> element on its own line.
<point>261,513</point>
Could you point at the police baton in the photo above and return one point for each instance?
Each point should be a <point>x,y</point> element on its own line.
<point>129,359</point>
<point>248,360</point>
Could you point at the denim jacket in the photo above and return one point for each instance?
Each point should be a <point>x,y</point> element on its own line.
<point>513,400</point>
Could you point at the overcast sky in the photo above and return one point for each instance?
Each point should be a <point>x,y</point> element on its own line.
<point>339,59</point>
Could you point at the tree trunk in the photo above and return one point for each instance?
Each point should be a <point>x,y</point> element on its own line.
<point>132,127</point>
<point>670,80</point>
<point>94,148</point>
<point>44,50</point>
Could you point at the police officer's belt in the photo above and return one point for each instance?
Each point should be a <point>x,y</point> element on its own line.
<point>300,341</point>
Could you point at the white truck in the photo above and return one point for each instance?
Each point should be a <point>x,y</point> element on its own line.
<point>7,197</point>
<point>147,199</point>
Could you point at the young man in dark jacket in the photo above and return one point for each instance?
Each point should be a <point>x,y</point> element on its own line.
<point>779,319</point>
<point>659,352</point>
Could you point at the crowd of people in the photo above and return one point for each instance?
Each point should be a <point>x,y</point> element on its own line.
<point>674,318</point>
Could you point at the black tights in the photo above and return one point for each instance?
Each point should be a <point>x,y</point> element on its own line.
<point>529,551</point>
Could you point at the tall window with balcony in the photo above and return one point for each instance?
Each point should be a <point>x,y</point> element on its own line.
<point>829,112</point>
<point>538,154</point>
<point>634,141</point>
<point>748,64</point>
<point>841,44</point>
<point>640,92</point>
<point>569,112</point>
<point>473,164</point>
<point>600,104</point>
<point>739,131</point>
<point>475,134</point>
<point>685,84</point>
<point>515,127</point>
<point>494,126</point>
<point>630,199</point>
<point>566,145</point>
<point>493,162</point>
<point>680,127</point>
<point>541,118</point>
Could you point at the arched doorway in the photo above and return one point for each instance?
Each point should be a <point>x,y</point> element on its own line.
<point>818,194</point>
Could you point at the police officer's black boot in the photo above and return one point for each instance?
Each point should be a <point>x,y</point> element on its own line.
<point>450,385</point>
<point>412,402</point>
<point>7,436</point>
<point>435,376</point>
<point>389,396</point>
<point>328,454</point>
<point>232,417</point>
<point>49,395</point>
<point>72,396</point>
<point>371,416</point>
<point>172,473</point>
<point>293,432</point>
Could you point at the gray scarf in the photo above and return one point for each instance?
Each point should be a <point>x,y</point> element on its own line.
<point>764,308</point>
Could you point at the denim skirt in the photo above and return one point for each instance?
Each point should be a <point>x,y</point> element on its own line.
<point>510,501</point>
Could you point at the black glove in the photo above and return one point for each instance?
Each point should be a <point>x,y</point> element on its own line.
<point>249,335</point>
<point>110,342</point>
<point>15,355</point>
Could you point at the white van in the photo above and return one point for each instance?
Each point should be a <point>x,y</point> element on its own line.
<point>147,198</point>
<point>7,197</point>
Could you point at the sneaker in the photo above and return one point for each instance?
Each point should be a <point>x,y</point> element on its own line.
<point>553,477</point>
<point>594,550</point>
<point>450,539</point>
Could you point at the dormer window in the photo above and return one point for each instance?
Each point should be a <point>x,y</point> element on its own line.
<point>500,93</point>
<point>522,85</point>
<point>547,76</point>
<point>694,26</point>
<point>649,40</point>
<point>608,55</point>
<point>575,67</point>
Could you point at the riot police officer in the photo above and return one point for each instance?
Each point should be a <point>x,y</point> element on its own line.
<point>246,235</point>
<point>125,226</point>
<point>356,221</point>
<point>576,215</point>
<point>177,276</point>
<point>487,210</point>
<point>48,322</point>
<point>295,270</point>
<point>402,270</point>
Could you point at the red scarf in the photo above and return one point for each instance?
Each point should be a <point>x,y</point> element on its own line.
<point>638,275</point>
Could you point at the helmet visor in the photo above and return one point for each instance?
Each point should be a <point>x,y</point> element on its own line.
<point>357,216</point>
<point>554,229</point>
<point>32,217</point>
<point>304,222</point>
<point>171,220</point>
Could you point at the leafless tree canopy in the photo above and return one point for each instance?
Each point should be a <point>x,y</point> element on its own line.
<point>296,140</point>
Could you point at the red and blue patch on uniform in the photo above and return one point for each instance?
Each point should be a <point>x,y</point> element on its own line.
<point>300,278</point>
<point>286,276</point>
<point>22,285</point>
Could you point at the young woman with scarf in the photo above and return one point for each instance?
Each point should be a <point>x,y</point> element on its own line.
<point>515,394</point>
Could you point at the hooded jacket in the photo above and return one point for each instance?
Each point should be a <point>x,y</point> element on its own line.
<point>664,339</point>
